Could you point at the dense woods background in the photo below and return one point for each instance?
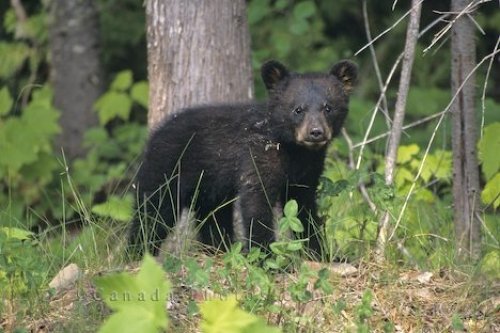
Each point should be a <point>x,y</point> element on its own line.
<point>74,100</point>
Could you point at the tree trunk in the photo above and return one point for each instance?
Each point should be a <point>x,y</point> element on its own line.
<point>198,53</point>
<point>397,121</point>
<point>464,134</point>
<point>76,71</point>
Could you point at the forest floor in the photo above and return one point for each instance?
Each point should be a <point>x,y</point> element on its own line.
<point>399,300</point>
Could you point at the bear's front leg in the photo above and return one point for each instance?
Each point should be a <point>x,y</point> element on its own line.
<point>258,216</point>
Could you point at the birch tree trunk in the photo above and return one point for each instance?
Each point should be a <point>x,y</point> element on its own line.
<point>398,118</point>
<point>198,53</point>
<point>464,133</point>
<point>76,71</point>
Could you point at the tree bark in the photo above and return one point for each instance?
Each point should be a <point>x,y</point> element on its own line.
<point>76,71</point>
<point>464,134</point>
<point>398,118</point>
<point>198,53</point>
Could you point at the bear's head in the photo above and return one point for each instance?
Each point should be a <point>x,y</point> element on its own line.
<point>308,109</point>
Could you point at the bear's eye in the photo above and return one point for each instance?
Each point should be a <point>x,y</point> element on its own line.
<point>298,110</point>
<point>328,108</point>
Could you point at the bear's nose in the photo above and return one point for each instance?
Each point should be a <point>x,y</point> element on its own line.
<point>316,133</point>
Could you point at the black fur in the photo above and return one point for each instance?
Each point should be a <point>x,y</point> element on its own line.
<point>263,154</point>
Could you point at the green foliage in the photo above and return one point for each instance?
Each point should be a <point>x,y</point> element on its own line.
<point>116,207</point>
<point>489,146</point>
<point>220,316</point>
<point>490,264</point>
<point>6,101</point>
<point>288,30</point>
<point>138,301</point>
<point>26,162</point>
<point>286,249</point>
<point>364,311</point>
<point>118,101</point>
<point>22,271</point>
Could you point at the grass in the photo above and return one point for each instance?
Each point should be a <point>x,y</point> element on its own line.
<point>381,298</point>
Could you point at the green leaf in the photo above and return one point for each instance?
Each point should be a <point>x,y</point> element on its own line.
<point>299,26</point>
<point>257,10</point>
<point>6,101</point>
<point>122,81</point>
<point>291,208</point>
<point>295,224</point>
<point>140,93</point>
<point>304,10</point>
<point>406,153</point>
<point>139,298</point>
<point>224,316</point>
<point>113,105</point>
<point>403,175</point>
<point>117,208</point>
<point>295,245</point>
<point>491,192</point>
<point>489,146</point>
<point>17,233</point>
<point>490,264</point>
<point>437,165</point>
<point>281,4</point>
<point>132,319</point>
<point>13,56</point>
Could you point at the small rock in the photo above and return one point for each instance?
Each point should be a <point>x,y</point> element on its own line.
<point>65,278</point>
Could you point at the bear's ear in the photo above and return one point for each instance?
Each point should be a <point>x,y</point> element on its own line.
<point>273,72</point>
<point>347,72</point>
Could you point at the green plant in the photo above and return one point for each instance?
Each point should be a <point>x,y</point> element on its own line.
<point>22,272</point>
<point>219,316</point>
<point>138,301</point>
<point>364,311</point>
<point>27,165</point>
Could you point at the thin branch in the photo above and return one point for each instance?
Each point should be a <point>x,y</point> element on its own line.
<point>385,109</point>
<point>483,97</point>
<point>405,127</point>
<point>387,30</point>
<point>362,187</point>
<point>471,7</point>
<point>399,114</point>
<point>19,10</point>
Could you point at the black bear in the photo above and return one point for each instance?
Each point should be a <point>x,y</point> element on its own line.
<point>260,154</point>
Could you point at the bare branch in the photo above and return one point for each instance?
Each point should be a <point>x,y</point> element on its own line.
<point>483,97</point>
<point>385,109</point>
<point>361,186</point>
<point>388,29</point>
<point>19,10</point>
<point>399,114</point>
<point>470,8</point>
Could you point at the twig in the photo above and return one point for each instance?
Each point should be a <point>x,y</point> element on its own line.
<point>362,187</point>
<point>471,7</point>
<point>399,114</point>
<point>405,127</point>
<point>483,96</point>
<point>388,29</point>
<point>385,109</point>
